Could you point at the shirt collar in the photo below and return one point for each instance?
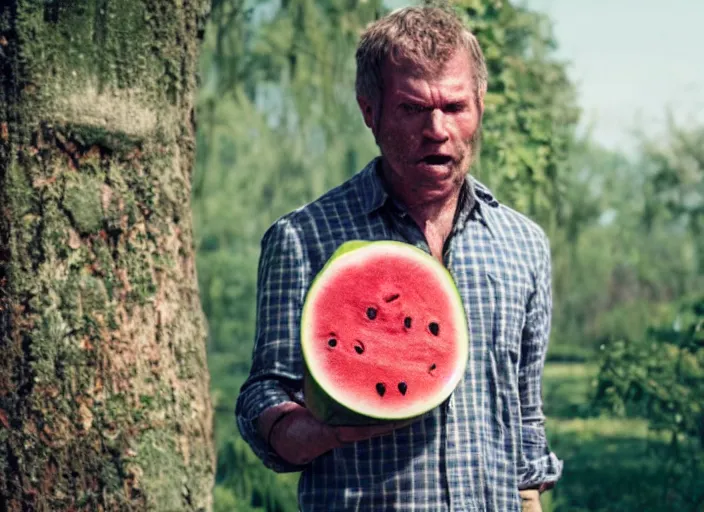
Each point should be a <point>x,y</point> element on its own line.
<point>474,199</point>
<point>372,189</point>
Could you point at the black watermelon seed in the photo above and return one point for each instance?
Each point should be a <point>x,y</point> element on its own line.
<point>359,347</point>
<point>402,387</point>
<point>407,322</point>
<point>434,328</point>
<point>392,298</point>
<point>432,367</point>
<point>332,342</point>
<point>371,313</point>
<point>380,388</point>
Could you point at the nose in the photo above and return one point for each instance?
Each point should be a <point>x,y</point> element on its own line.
<point>435,128</point>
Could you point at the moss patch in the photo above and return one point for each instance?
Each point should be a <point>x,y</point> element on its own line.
<point>159,471</point>
<point>82,202</point>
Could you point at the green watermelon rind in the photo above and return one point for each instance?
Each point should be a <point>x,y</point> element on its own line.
<point>327,408</point>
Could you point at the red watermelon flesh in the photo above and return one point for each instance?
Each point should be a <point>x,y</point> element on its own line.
<point>384,333</point>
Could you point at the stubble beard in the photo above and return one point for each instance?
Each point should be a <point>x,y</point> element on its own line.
<point>475,146</point>
<point>469,159</point>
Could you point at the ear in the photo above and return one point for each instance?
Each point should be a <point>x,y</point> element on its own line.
<point>367,109</point>
<point>482,93</point>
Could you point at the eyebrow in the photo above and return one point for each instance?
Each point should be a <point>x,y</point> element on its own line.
<point>418,101</point>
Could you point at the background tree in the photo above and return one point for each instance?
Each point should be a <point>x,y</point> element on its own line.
<point>104,399</point>
<point>531,110</point>
<point>658,374</point>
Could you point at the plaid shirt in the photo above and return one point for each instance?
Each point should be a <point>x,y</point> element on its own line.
<point>487,441</point>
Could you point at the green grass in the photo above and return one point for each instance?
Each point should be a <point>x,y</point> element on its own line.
<point>566,389</point>
<point>611,464</point>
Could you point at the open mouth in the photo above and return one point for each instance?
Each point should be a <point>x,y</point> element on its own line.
<point>436,159</point>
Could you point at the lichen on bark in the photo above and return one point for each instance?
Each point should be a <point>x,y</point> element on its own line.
<point>103,385</point>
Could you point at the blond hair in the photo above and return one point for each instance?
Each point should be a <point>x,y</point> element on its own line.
<point>426,36</point>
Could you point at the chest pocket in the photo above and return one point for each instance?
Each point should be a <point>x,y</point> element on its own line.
<point>510,292</point>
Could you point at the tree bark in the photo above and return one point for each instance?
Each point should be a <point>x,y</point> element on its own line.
<point>104,387</point>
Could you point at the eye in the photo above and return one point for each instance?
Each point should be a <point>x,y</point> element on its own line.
<point>412,108</point>
<point>454,107</point>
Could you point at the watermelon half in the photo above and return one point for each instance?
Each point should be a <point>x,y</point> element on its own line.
<point>383,335</point>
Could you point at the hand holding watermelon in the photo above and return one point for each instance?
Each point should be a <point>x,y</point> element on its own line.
<point>298,437</point>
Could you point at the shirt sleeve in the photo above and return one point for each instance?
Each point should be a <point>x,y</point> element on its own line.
<point>277,372</point>
<point>538,467</point>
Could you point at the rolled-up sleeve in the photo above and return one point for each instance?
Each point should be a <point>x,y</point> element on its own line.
<point>538,465</point>
<point>277,371</point>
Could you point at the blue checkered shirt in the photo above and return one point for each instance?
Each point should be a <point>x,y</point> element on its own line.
<point>487,441</point>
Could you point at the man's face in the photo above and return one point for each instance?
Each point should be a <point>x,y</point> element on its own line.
<point>427,127</point>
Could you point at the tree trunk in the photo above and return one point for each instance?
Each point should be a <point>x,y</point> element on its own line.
<point>104,402</point>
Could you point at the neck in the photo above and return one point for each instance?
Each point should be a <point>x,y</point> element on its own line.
<point>439,212</point>
<point>432,211</point>
<point>424,206</point>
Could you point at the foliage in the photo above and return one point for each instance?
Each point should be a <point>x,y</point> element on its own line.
<point>279,125</point>
<point>661,378</point>
<point>617,264</point>
<point>274,493</point>
<point>612,464</point>
<point>530,106</point>
<point>677,185</point>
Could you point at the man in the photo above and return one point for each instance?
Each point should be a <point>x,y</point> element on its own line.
<point>421,81</point>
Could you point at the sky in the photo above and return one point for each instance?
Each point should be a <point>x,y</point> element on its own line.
<point>632,61</point>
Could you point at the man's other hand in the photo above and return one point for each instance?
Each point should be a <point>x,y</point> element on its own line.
<point>530,501</point>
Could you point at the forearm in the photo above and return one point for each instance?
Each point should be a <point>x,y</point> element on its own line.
<point>538,467</point>
<point>255,398</point>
